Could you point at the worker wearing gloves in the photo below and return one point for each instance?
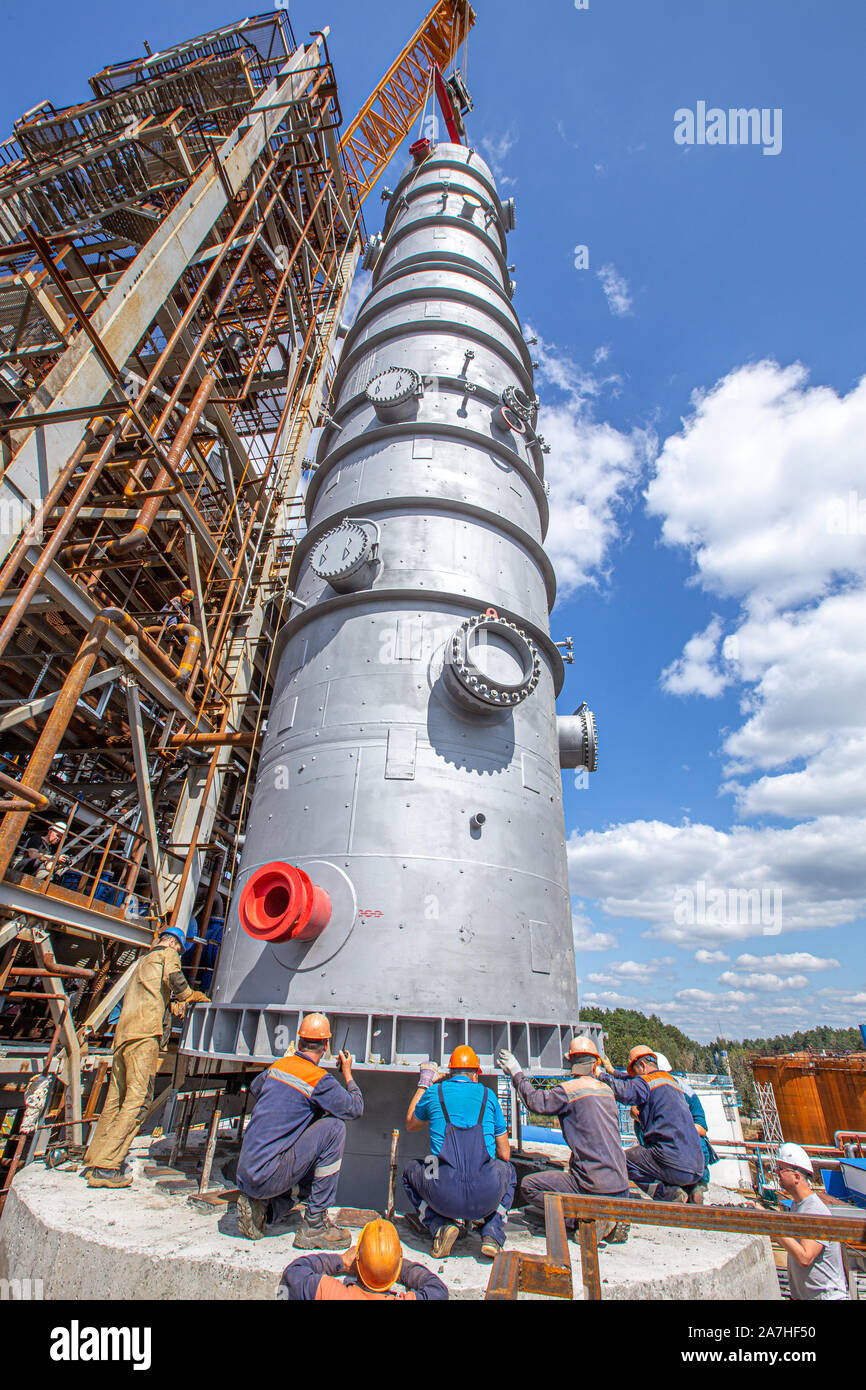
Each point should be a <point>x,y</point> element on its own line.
<point>816,1271</point>
<point>589,1120</point>
<point>467,1176</point>
<point>368,1271</point>
<point>670,1161</point>
<point>143,1027</point>
<point>293,1144</point>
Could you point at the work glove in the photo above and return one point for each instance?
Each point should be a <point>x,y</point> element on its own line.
<point>197,998</point>
<point>427,1076</point>
<point>508,1062</point>
<point>178,1008</point>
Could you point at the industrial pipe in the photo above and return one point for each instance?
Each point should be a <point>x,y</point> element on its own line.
<point>141,527</point>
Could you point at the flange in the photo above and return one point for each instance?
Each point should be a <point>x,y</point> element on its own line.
<point>490,663</point>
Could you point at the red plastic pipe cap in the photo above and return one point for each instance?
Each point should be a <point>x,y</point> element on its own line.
<point>279,902</point>
<point>419,150</point>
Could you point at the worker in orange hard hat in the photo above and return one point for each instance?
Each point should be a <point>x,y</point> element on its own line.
<point>669,1164</point>
<point>369,1270</point>
<point>293,1143</point>
<point>589,1120</point>
<point>467,1176</point>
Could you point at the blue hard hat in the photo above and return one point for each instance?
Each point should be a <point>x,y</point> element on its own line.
<point>177,932</point>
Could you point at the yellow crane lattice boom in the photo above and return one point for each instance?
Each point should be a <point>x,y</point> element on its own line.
<point>386,117</point>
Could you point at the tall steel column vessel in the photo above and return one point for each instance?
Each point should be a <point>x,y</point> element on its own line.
<point>404,868</point>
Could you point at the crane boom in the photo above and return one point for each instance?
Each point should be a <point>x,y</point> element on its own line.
<point>386,117</point>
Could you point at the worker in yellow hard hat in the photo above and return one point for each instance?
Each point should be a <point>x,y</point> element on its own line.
<point>589,1120</point>
<point>467,1176</point>
<point>369,1270</point>
<point>669,1163</point>
<point>294,1140</point>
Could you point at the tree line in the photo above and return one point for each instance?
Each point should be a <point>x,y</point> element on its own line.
<point>626,1027</point>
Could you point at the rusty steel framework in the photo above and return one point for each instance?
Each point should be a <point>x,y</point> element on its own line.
<point>517,1271</point>
<point>175,259</point>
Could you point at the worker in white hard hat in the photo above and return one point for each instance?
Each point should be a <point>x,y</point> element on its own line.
<point>38,855</point>
<point>589,1120</point>
<point>697,1192</point>
<point>816,1270</point>
<point>670,1161</point>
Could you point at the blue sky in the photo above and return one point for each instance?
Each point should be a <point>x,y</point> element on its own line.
<point>700,382</point>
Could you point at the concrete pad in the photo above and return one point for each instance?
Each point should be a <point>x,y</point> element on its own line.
<point>140,1243</point>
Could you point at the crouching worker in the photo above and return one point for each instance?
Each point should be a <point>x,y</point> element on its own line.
<point>294,1140</point>
<point>143,1028</point>
<point>369,1270</point>
<point>467,1175</point>
<point>589,1120</point>
<point>670,1161</point>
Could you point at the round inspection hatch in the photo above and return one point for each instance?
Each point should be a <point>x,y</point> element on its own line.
<point>393,386</point>
<point>490,662</point>
<point>340,552</point>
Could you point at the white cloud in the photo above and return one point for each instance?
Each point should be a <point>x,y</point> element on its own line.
<point>623,970</point>
<point>749,484</point>
<point>765,981</point>
<point>496,150</point>
<point>616,291</point>
<point>696,671</point>
<point>609,999</point>
<point>586,938</point>
<point>762,486</point>
<point>591,469</point>
<point>640,869</point>
<point>795,960</point>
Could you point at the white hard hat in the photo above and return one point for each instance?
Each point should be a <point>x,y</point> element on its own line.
<point>57,825</point>
<point>796,1157</point>
<point>663,1063</point>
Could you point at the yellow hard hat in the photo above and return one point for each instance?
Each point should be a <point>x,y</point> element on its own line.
<point>380,1255</point>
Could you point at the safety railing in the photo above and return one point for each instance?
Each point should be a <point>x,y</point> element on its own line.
<point>517,1271</point>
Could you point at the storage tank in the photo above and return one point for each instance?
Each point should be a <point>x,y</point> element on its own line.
<point>801,1115</point>
<point>841,1085</point>
<point>404,868</point>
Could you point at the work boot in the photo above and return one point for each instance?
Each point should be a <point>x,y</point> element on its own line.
<point>108,1177</point>
<point>696,1193</point>
<point>319,1232</point>
<point>443,1241</point>
<point>490,1248</point>
<point>252,1216</point>
<point>619,1233</point>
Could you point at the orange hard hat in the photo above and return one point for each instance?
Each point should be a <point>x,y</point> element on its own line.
<point>635,1055</point>
<point>464,1058</point>
<point>188,595</point>
<point>583,1047</point>
<point>314,1028</point>
<point>380,1255</point>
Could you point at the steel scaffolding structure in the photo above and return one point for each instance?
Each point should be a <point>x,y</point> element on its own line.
<point>175,258</point>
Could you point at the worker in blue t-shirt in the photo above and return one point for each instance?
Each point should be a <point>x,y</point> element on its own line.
<point>467,1176</point>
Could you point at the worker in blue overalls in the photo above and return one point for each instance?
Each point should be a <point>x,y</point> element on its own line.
<point>467,1177</point>
<point>670,1161</point>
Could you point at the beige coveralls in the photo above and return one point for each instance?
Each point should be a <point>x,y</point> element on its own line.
<point>142,1028</point>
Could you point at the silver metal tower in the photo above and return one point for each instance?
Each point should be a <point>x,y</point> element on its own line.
<point>404,868</point>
